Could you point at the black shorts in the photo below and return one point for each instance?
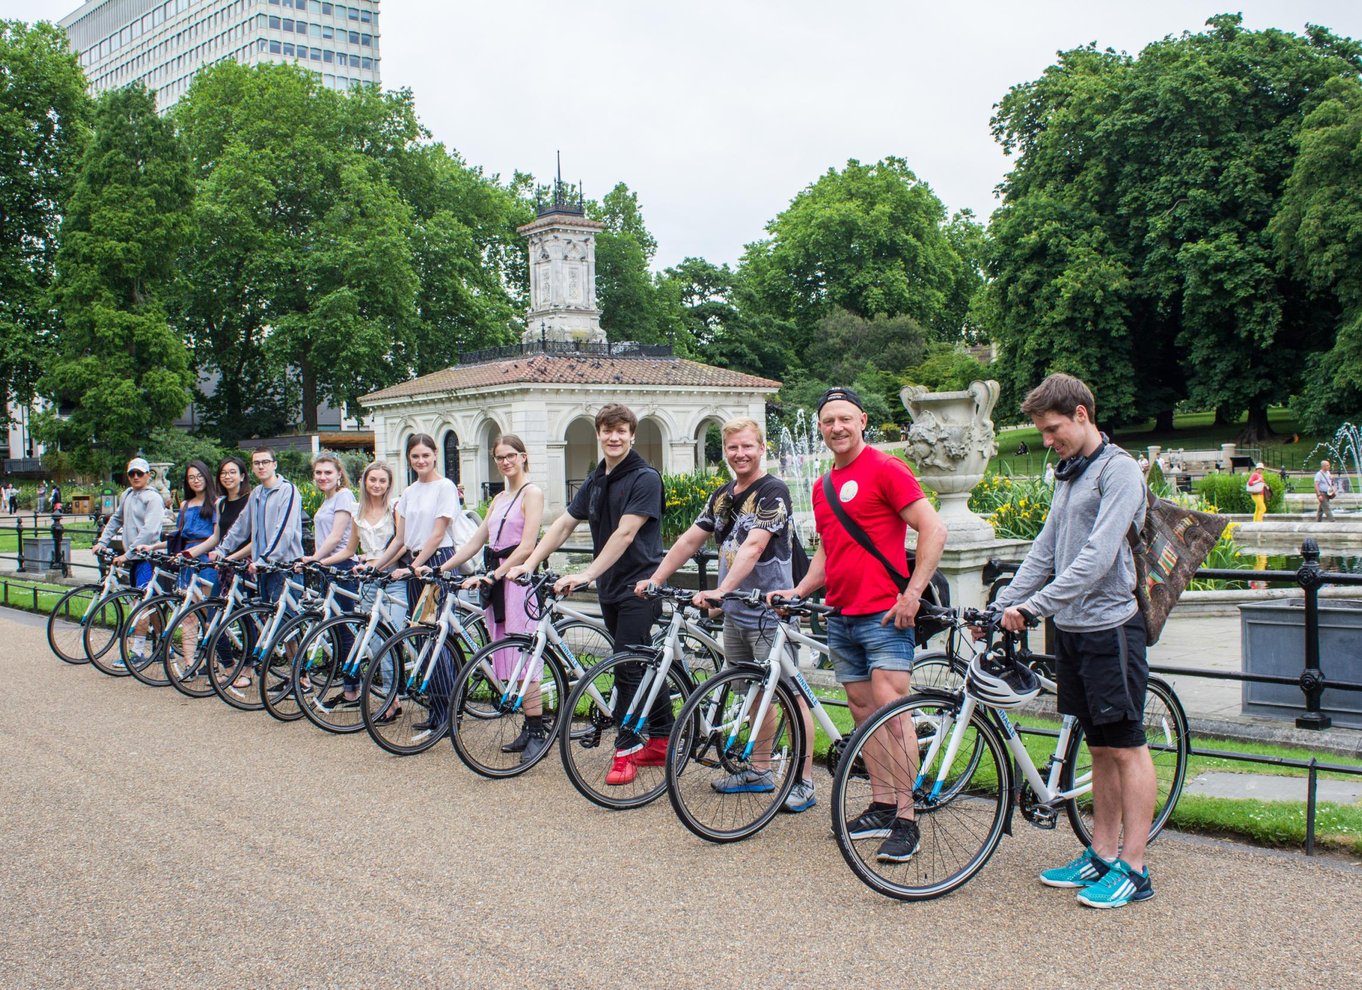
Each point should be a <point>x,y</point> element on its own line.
<point>1102,676</point>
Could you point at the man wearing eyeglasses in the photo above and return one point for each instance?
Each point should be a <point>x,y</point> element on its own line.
<point>270,528</point>
<point>139,515</point>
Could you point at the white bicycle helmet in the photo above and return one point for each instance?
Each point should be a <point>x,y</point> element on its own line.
<point>999,682</point>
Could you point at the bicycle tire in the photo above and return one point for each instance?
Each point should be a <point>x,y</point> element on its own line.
<point>378,695</point>
<point>1166,731</point>
<point>709,745</point>
<point>275,683</point>
<point>587,748</point>
<point>960,829</point>
<point>189,675</point>
<point>482,723</point>
<point>65,635</point>
<point>321,658</point>
<point>148,668</point>
<point>105,628</point>
<point>232,651</point>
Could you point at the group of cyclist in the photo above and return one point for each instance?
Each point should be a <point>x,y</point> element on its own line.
<point>863,509</point>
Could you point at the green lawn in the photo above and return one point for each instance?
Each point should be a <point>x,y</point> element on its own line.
<point>1194,431</point>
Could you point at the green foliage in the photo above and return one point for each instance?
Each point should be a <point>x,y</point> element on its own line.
<point>1016,508</point>
<point>44,114</point>
<point>121,370</point>
<point>684,496</point>
<point>1133,248</point>
<point>1316,229</point>
<point>946,368</point>
<point>634,304</point>
<point>179,448</point>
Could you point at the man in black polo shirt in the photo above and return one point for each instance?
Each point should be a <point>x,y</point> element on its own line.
<point>621,500</point>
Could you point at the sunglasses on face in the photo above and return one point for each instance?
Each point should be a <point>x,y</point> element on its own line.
<point>136,474</point>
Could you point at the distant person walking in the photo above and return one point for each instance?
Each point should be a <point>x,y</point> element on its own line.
<point>1257,489</point>
<point>1324,493</point>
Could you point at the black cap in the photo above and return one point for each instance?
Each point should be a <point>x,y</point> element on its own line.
<point>833,394</point>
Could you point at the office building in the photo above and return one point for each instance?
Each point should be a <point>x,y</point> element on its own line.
<point>163,43</point>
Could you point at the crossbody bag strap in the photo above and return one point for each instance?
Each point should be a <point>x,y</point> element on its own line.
<point>508,512</point>
<point>860,535</point>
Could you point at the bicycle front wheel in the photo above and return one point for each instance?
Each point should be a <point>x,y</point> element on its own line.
<point>142,642</point>
<point>489,728</point>
<point>327,673</point>
<point>66,623</point>
<point>233,656</point>
<point>186,665</point>
<point>403,699</point>
<point>276,692</point>
<point>595,709</point>
<point>1165,729</point>
<point>727,776</point>
<point>104,628</point>
<point>898,755</point>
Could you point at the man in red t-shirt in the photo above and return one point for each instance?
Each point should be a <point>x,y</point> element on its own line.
<point>872,639</point>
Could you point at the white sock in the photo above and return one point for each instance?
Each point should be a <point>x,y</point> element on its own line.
<point>139,644</point>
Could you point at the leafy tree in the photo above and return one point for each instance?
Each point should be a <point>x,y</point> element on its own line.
<point>946,368</point>
<point>634,305</point>
<point>872,240</point>
<point>1133,246</point>
<point>44,115</point>
<point>121,370</point>
<point>1317,235</point>
<point>847,344</point>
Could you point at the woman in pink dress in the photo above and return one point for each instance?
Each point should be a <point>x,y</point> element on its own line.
<point>506,537</point>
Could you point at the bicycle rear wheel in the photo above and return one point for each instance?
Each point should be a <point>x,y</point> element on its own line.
<point>65,623</point>
<point>145,664</point>
<point>960,826</point>
<point>937,670</point>
<point>104,628</point>
<point>276,669</point>
<point>403,715</point>
<point>187,668</point>
<point>588,644</point>
<point>486,728</point>
<point>726,776</point>
<point>1165,728</point>
<point>587,747</point>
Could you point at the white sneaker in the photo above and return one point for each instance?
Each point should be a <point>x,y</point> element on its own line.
<point>800,798</point>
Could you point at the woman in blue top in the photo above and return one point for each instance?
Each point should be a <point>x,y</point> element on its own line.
<point>194,527</point>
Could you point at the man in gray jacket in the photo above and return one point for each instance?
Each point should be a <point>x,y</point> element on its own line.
<point>1100,646</point>
<point>271,523</point>
<point>139,516</point>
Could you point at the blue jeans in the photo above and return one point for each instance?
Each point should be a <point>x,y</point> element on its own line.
<point>859,644</point>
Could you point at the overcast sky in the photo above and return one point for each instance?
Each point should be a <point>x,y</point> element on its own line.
<point>718,113</point>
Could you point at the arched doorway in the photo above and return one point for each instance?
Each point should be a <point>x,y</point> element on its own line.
<point>449,447</point>
<point>580,455</point>
<point>648,443</point>
<point>709,444</point>
<point>493,483</point>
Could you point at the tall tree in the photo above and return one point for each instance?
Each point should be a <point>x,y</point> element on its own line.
<point>634,305</point>
<point>121,370</point>
<point>1133,244</point>
<point>1318,231</point>
<point>44,115</point>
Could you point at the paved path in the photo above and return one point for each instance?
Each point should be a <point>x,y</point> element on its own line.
<point>150,840</point>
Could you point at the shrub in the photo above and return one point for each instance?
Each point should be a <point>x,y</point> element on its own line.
<point>684,496</point>
<point>1016,508</point>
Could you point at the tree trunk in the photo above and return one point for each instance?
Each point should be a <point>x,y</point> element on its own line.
<point>1224,416</point>
<point>1257,430</point>
<point>309,397</point>
<point>1163,422</point>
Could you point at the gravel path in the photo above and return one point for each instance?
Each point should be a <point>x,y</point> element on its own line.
<point>147,839</point>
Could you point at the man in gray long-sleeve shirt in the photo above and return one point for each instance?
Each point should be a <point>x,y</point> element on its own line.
<point>1100,644</point>
<point>271,523</point>
<point>139,516</point>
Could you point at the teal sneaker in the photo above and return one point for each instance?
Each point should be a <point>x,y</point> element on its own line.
<point>1087,869</point>
<point>1121,885</point>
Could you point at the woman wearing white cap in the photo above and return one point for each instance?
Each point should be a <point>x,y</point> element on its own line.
<point>139,516</point>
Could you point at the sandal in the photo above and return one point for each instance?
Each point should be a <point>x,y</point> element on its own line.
<point>242,682</point>
<point>392,715</point>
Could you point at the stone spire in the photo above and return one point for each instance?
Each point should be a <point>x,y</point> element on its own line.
<point>562,245</point>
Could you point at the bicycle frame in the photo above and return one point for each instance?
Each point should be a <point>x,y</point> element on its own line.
<point>783,665</point>
<point>446,624</point>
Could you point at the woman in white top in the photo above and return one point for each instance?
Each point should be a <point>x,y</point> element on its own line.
<point>423,536</point>
<point>332,525</point>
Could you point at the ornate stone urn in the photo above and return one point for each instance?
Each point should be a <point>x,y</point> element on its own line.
<point>951,441</point>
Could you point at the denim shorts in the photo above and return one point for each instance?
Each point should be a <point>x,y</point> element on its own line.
<point>860,644</point>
